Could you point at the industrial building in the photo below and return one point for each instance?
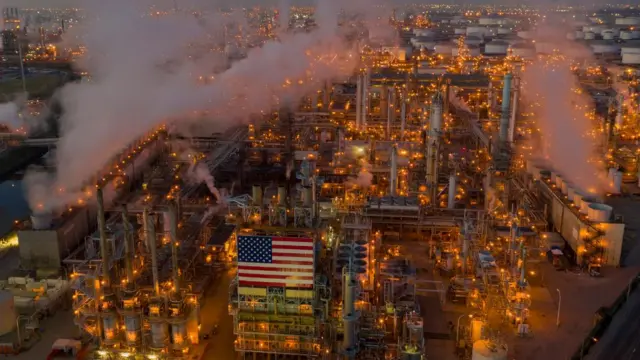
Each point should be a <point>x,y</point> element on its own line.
<point>327,212</point>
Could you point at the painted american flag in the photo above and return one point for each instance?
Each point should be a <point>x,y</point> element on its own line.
<point>271,261</point>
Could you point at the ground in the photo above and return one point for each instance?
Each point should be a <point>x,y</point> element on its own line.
<point>37,86</point>
<point>582,296</point>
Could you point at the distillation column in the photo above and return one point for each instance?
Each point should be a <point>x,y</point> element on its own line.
<point>349,314</point>
<point>514,111</point>
<point>506,105</point>
<point>433,144</point>
<point>105,302</point>
<point>359,107</point>
<point>384,102</point>
<point>365,99</point>
<point>451,200</point>
<point>403,114</point>
<point>393,176</point>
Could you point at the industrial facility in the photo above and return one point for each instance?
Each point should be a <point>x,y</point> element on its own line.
<point>352,220</point>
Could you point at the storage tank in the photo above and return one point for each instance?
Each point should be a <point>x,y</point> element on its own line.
<point>8,311</point>
<point>424,32</point>
<point>443,49</point>
<point>628,21</point>
<point>571,36</point>
<point>473,39</point>
<point>504,31</point>
<point>545,47</point>
<point>584,205</point>
<point>486,350</point>
<point>460,31</point>
<point>631,59</point>
<point>159,334</point>
<point>496,47</point>
<point>559,182</point>
<point>525,34</point>
<point>564,187</point>
<point>599,212</point>
<point>629,34</point>
<point>571,192</point>
<point>474,30</point>
<point>523,51</point>
<point>588,35</point>
<point>604,47</point>
<point>579,34</point>
<point>607,35</point>
<point>617,182</point>
<point>577,199</point>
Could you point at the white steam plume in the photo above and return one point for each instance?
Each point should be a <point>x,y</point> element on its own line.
<point>141,78</point>
<point>364,178</point>
<point>10,116</point>
<point>568,134</point>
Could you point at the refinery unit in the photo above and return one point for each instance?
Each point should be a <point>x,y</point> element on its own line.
<point>315,208</point>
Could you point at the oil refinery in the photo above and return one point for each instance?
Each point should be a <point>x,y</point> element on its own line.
<point>407,211</point>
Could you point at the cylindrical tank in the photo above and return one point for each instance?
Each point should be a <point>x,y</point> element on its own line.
<point>257,195</point>
<point>598,212</point>
<point>579,34</point>
<point>628,21</point>
<point>604,47</point>
<point>179,334</point>
<point>504,31</point>
<point>282,195</point>
<point>8,311</point>
<point>553,177</point>
<point>584,205</point>
<point>607,35</point>
<point>476,329</point>
<point>166,222</point>
<point>349,323</point>
<point>443,49</point>
<point>617,182</point>
<point>523,51</point>
<point>460,31</point>
<point>589,35</point>
<point>132,329</point>
<point>496,47</point>
<point>159,334</point>
<point>524,34</point>
<point>563,187</point>
<point>109,327</point>
<point>577,199</point>
<point>559,181</point>
<point>485,350</point>
<point>571,192</point>
<point>307,198</point>
<point>41,221</point>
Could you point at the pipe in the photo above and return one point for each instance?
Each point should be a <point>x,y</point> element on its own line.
<point>403,116</point>
<point>359,106</point>
<point>452,190</point>
<point>393,177</point>
<point>151,240</point>
<point>282,196</point>
<point>389,112</point>
<point>506,105</point>
<point>128,245</point>
<point>384,102</point>
<point>514,111</point>
<point>307,200</point>
<point>104,250</point>
<point>173,220</point>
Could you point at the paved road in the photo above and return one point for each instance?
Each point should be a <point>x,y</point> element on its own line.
<point>215,310</point>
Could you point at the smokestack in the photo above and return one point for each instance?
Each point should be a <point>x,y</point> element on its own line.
<point>174,246</point>
<point>151,240</point>
<point>348,311</point>
<point>282,196</point>
<point>359,93</point>
<point>619,112</point>
<point>257,195</point>
<point>389,112</point>
<point>41,221</point>
<point>393,177</point>
<point>307,197</point>
<point>435,123</point>
<point>365,99</point>
<point>384,102</point>
<point>403,115</point>
<point>104,249</point>
<point>506,105</point>
<point>514,110</point>
<point>128,246</point>
<point>452,190</point>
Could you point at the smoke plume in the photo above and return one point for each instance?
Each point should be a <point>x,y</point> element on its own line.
<point>142,76</point>
<point>364,178</point>
<point>568,134</point>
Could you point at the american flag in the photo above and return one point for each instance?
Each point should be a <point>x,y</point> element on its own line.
<point>271,261</point>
